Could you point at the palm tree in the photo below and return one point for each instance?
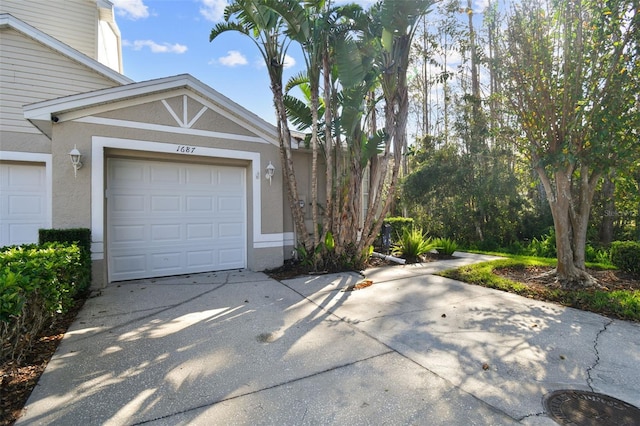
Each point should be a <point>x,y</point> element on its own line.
<point>259,21</point>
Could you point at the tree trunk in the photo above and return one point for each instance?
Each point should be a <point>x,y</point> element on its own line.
<point>605,231</point>
<point>314,164</point>
<point>328,146</point>
<point>288,171</point>
<point>570,226</point>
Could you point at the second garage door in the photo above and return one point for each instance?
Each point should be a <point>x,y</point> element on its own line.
<point>167,218</point>
<point>23,198</point>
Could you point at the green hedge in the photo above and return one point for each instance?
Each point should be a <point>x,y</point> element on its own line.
<point>36,283</point>
<point>625,255</point>
<point>398,226</point>
<point>79,236</point>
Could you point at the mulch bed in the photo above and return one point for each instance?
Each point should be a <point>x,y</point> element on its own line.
<point>534,276</point>
<point>17,379</point>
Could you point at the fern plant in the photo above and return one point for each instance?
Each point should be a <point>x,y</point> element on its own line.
<point>445,246</point>
<point>412,244</point>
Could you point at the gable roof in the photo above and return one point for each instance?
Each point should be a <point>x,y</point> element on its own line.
<point>9,21</point>
<point>42,114</point>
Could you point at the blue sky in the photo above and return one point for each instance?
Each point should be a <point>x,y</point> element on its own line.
<point>168,37</point>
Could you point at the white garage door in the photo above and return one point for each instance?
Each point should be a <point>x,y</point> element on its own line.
<point>23,198</point>
<point>168,218</point>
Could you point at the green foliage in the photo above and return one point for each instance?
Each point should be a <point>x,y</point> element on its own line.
<point>36,282</point>
<point>325,257</point>
<point>79,236</point>
<point>445,246</point>
<point>399,225</point>
<point>622,304</point>
<point>543,247</point>
<point>596,255</point>
<point>625,255</point>
<point>476,198</point>
<point>413,244</point>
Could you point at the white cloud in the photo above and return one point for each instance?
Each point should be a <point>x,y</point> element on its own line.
<point>288,62</point>
<point>481,5</point>
<point>213,10</point>
<point>156,47</point>
<point>132,9</point>
<point>233,59</point>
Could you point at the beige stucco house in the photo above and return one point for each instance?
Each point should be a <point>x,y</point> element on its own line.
<point>173,176</point>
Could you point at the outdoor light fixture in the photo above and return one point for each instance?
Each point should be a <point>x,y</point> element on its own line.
<point>75,160</point>
<point>270,171</point>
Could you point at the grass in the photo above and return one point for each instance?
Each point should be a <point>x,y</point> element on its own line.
<point>623,304</point>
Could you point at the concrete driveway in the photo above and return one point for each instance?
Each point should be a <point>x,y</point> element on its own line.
<point>413,348</point>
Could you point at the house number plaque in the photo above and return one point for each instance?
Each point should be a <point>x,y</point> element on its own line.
<point>186,149</point>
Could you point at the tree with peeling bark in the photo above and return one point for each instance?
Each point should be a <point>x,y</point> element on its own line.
<point>394,24</point>
<point>572,77</point>
<point>259,21</point>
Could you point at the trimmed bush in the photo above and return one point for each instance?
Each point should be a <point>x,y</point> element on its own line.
<point>398,225</point>
<point>79,236</point>
<point>625,255</point>
<point>36,283</point>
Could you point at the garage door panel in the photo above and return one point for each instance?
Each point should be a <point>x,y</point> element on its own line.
<point>199,231</point>
<point>126,173</point>
<point>229,257</point>
<point>199,204</point>
<point>22,233</point>
<point>127,203</point>
<point>163,262</point>
<point>129,265</point>
<point>200,258</point>
<point>230,177</point>
<point>128,234</point>
<point>161,203</point>
<point>26,205</point>
<point>164,173</point>
<point>183,218</point>
<point>166,232</point>
<point>229,204</point>
<point>227,230</point>
<point>201,176</point>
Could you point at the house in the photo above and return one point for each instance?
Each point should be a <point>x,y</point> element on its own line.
<point>171,178</point>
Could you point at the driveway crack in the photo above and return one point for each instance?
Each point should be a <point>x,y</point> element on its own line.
<point>597,353</point>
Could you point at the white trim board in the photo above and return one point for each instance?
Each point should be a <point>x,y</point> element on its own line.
<point>98,145</point>
<point>167,129</point>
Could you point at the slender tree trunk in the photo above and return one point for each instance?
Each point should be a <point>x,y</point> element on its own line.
<point>328,145</point>
<point>605,231</point>
<point>288,171</point>
<point>314,164</point>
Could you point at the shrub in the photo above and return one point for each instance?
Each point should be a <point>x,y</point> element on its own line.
<point>625,255</point>
<point>544,247</point>
<point>398,226</point>
<point>445,246</point>
<point>413,244</point>
<point>36,282</point>
<point>79,236</point>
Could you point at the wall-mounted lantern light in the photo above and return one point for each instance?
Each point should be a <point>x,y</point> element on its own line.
<point>75,160</point>
<point>271,169</point>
